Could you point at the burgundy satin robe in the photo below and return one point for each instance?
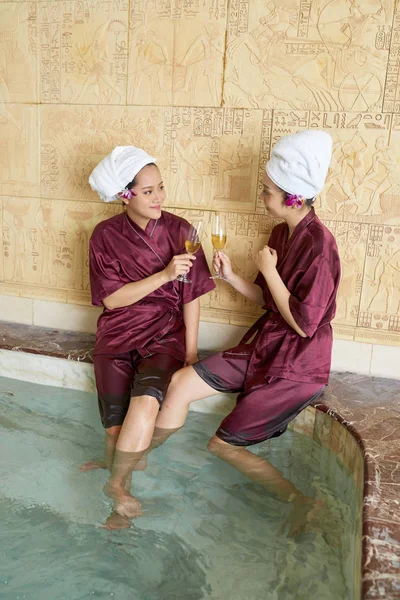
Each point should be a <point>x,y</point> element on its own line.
<point>309,265</point>
<point>120,253</point>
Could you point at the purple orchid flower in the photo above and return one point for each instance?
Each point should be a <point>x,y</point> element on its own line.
<point>295,200</point>
<point>127,194</point>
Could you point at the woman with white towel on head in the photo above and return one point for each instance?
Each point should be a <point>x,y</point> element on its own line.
<point>149,326</point>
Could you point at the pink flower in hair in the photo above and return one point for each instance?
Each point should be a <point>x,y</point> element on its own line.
<point>127,194</point>
<point>294,200</point>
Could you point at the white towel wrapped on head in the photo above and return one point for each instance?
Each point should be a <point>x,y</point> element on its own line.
<point>299,162</point>
<point>117,169</point>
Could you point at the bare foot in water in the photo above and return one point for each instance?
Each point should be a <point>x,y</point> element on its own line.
<point>116,521</point>
<point>130,509</point>
<point>93,464</point>
<point>100,464</point>
<point>125,505</point>
<point>304,510</point>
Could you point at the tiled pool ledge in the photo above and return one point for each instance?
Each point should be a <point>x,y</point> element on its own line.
<point>358,419</point>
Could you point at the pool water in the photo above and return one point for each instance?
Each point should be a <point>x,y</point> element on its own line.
<point>206,531</point>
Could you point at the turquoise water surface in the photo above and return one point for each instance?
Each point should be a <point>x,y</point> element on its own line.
<point>206,531</point>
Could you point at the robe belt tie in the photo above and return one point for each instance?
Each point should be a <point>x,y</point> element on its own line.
<point>256,327</point>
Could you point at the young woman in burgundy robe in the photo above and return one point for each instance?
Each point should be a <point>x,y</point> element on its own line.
<point>149,326</point>
<point>282,363</point>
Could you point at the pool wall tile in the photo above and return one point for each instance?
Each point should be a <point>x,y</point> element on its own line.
<point>47,370</point>
<point>304,422</point>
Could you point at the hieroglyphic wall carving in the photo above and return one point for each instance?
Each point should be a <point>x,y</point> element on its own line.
<point>45,245</point>
<point>207,87</point>
<point>176,52</point>
<point>315,54</point>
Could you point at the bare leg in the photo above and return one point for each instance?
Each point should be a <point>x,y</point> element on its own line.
<point>175,407</point>
<point>110,441</point>
<point>133,442</point>
<point>118,486</point>
<point>255,468</point>
<point>137,430</point>
<point>185,387</point>
<point>117,519</point>
<point>159,437</point>
<point>261,471</point>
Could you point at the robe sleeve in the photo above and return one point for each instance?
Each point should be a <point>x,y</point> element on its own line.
<point>200,276</point>
<point>260,279</point>
<point>309,301</point>
<point>104,273</point>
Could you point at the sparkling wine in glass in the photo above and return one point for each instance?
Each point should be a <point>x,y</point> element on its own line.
<point>192,246</point>
<point>218,236</point>
<point>193,241</point>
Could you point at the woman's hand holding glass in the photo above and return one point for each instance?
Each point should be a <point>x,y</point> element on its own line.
<point>218,238</point>
<point>179,266</point>
<point>222,266</point>
<point>194,238</point>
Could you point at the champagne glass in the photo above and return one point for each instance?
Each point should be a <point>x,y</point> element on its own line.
<point>193,241</point>
<point>218,236</point>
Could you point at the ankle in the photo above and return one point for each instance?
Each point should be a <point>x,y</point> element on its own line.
<point>115,482</point>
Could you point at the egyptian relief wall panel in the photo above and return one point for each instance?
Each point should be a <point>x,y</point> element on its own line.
<point>19,149</point>
<point>314,54</point>
<point>83,52</point>
<point>75,138</point>
<point>18,52</point>
<point>176,52</point>
<point>380,299</point>
<point>46,246</point>
<point>215,157</point>
<point>207,87</point>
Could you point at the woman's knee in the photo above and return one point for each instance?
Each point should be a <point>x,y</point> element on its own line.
<point>179,379</point>
<point>146,404</point>
<point>186,386</point>
<point>217,446</point>
<point>179,376</point>
<point>114,430</point>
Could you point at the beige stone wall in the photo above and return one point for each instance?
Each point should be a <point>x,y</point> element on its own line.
<point>206,86</point>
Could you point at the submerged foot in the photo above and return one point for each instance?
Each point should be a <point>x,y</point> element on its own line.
<point>303,512</point>
<point>116,521</point>
<point>142,464</point>
<point>130,509</point>
<point>125,505</point>
<point>93,464</point>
